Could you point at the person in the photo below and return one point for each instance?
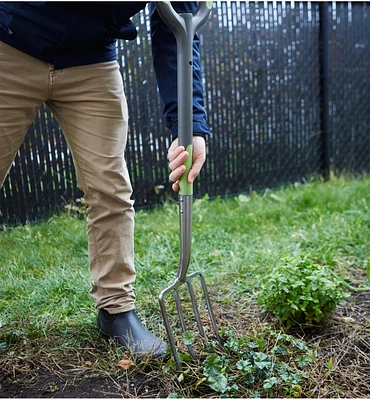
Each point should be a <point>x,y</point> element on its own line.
<point>63,54</point>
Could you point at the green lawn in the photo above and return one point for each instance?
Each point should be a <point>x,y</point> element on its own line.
<point>45,278</point>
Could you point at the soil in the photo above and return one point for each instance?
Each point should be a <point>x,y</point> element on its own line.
<point>49,385</point>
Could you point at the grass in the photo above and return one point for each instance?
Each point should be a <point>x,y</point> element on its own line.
<point>46,313</point>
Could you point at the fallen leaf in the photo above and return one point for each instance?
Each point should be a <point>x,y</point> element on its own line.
<point>125,364</point>
<point>200,381</point>
<point>348,319</point>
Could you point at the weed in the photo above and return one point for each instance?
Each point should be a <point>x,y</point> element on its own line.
<point>300,291</point>
<point>265,362</point>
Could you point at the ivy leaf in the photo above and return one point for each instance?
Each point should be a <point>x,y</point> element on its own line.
<point>279,350</point>
<point>244,366</point>
<point>299,344</point>
<point>249,379</point>
<point>212,365</point>
<point>213,369</point>
<point>261,343</point>
<point>218,383</point>
<point>188,338</point>
<point>269,383</point>
<point>304,360</point>
<point>261,360</point>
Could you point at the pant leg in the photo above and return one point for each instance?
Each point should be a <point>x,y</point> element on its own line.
<point>24,86</point>
<point>90,106</point>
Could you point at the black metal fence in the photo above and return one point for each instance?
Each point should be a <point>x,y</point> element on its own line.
<point>287,92</point>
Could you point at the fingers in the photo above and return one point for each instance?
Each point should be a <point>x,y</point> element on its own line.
<point>176,187</point>
<point>174,151</point>
<point>177,158</point>
<point>176,174</point>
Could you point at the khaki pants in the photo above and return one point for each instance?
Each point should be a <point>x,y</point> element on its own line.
<point>89,103</point>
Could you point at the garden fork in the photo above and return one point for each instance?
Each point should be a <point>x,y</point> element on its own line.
<point>184,26</point>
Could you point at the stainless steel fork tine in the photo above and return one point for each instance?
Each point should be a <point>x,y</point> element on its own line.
<point>194,304</point>
<point>209,306</point>
<point>167,326</point>
<point>182,321</point>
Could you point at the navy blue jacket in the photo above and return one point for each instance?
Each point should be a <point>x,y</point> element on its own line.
<point>73,33</point>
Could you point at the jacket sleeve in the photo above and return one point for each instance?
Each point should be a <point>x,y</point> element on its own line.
<point>165,61</point>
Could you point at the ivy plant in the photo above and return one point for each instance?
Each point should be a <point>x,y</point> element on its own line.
<point>265,363</point>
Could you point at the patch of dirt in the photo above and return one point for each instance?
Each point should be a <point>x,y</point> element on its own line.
<point>49,385</point>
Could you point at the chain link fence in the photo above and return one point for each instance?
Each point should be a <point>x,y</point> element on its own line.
<point>263,95</point>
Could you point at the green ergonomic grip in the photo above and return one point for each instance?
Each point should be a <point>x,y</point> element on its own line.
<point>185,186</point>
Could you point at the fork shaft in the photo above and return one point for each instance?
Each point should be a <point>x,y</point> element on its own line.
<point>185,208</point>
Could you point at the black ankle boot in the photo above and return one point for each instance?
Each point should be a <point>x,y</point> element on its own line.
<point>127,330</point>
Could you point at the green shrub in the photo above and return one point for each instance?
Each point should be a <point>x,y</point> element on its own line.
<point>300,291</point>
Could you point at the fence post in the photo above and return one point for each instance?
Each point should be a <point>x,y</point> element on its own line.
<point>324,86</point>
